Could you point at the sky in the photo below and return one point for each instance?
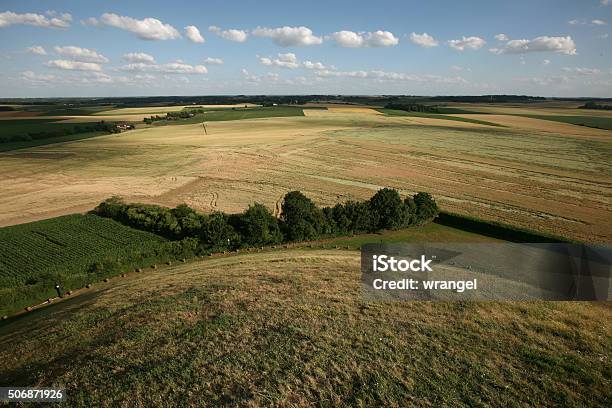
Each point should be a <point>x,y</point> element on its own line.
<point>438,47</point>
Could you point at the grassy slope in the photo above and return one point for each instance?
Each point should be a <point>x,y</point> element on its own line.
<point>291,328</point>
<point>35,255</point>
<point>394,112</point>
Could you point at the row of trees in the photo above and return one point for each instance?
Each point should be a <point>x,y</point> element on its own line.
<point>301,219</point>
<point>413,107</point>
<point>182,114</point>
<point>593,105</point>
<point>59,131</point>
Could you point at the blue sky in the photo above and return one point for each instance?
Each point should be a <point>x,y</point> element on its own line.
<point>126,48</point>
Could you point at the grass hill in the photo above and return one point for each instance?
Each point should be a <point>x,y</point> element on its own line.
<point>290,327</point>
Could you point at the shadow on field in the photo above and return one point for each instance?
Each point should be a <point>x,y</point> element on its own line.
<point>49,314</point>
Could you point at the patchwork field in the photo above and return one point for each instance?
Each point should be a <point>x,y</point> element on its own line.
<point>292,326</point>
<point>556,179</point>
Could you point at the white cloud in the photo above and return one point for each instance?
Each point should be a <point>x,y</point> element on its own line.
<point>351,39</point>
<point>269,77</point>
<point>177,67</point>
<point>9,18</point>
<point>96,77</point>
<point>317,66</point>
<point>379,75</point>
<point>36,49</point>
<point>289,36</point>
<point>456,68</point>
<point>230,34</point>
<point>472,43</point>
<point>80,54</point>
<point>146,29</point>
<point>213,61</point>
<point>562,45</point>
<point>585,22</point>
<point>547,81</point>
<point>288,60</point>
<point>92,21</point>
<point>73,65</point>
<point>139,57</point>
<point>33,77</point>
<point>604,36</point>
<point>582,71</point>
<point>193,34</point>
<point>546,62</point>
<point>501,37</point>
<point>424,40</point>
<point>606,2</point>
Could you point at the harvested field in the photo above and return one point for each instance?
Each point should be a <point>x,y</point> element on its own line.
<point>541,125</point>
<point>534,109</point>
<point>558,182</point>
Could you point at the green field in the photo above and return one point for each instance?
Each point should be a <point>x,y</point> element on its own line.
<point>12,127</point>
<point>599,122</point>
<point>291,327</point>
<point>395,112</point>
<point>63,249</point>
<point>431,232</point>
<point>237,114</point>
<point>5,147</point>
<point>63,110</point>
<point>35,255</point>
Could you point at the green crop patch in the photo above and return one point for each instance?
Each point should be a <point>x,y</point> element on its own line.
<point>396,112</point>
<point>237,114</point>
<point>598,122</point>
<point>34,256</point>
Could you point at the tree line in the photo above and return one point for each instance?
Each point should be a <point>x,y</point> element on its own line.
<point>182,114</point>
<point>301,219</point>
<point>593,105</point>
<point>413,107</point>
<point>101,126</point>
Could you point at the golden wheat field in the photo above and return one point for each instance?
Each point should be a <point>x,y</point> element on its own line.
<point>553,177</point>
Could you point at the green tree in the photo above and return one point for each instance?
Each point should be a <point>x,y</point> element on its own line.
<point>218,234</point>
<point>257,226</point>
<point>426,207</point>
<point>301,220</point>
<point>386,209</point>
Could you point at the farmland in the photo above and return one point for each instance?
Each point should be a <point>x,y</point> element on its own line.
<point>267,326</point>
<point>61,249</point>
<point>539,174</point>
<point>291,325</point>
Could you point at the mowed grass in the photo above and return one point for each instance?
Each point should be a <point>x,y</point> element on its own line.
<point>34,256</point>
<point>291,328</point>
<point>395,112</point>
<point>431,232</point>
